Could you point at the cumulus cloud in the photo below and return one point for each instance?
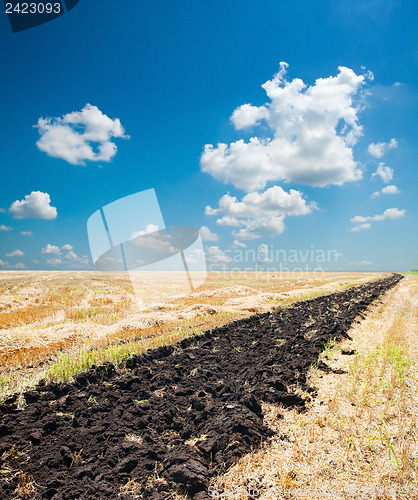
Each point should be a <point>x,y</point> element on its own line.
<point>248,116</point>
<point>51,249</point>
<point>36,205</point>
<point>226,221</point>
<point>273,201</point>
<point>390,190</point>
<point>15,253</point>
<point>364,222</point>
<point>384,172</point>
<point>312,131</point>
<point>80,136</point>
<point>360,227</point>
<point>67,247</point>
<point>5,228</point>
<point>386,190</point>
<point>378,149</point>
<point>215,254</point>
<point>238,244</point>
<point>149,228</point>
<point>19,266</point>
<point>260,214</point>
<point>207,235</point>
<point>259,228</point>
<point>26,233</point>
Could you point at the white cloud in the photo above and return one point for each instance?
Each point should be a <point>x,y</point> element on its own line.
<point>26,233</point>
<point>386,190</point>
<point>195,257</point>
<point>312,131</point>
<point>71,256</point>
<point>378,149</point>
<point>248,116</point>
<point>390,190</point>
<point>5,228</point>
<point>238,244</point>
<point>80,136</point>
<point>215,254</point>
<point>19,265</point>
<point>15,253</point>
<point>54,262</point>
<point>384,172</point>
<point>261,214</point>
<point>227,221</point>
<point>259,228</point>
<point>35,261</point>
<point>364,222</point>
<point>360,227</point>
<point>51,249</point>
<point>35,205</point>
<point>207,235</point>
<point>66,247</point>
<point>149,228</point>
<point>273,201</point>
<point>3,263</point>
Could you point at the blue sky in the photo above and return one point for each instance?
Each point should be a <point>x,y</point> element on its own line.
<point>322,158</point>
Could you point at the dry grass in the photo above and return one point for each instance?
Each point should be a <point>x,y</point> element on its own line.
<point>358,437</point>
<point>55,324</point>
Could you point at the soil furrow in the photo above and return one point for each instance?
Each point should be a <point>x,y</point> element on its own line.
<point>175,416</point>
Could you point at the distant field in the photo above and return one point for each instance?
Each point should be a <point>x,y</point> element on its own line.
<point>55,324</point>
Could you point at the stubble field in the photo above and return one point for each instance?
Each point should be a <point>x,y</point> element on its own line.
<point>230,401</point>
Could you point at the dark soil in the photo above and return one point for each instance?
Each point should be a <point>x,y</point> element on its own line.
<point>175,416</point>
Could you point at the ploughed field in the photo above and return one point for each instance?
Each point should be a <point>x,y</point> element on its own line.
<point>170,419</point>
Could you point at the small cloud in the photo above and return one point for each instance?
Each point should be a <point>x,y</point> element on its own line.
<point>5,228</point>
<point>360,227</point>
<point>2,210</point>
<point>361,263</point>
<point>215,254</point>
<point>3,263</point>
<point>149,228</point>
<point>364,222</point>
<point>378,149</point>
<point>19,266</point>
<point>227,221</point>
<point>35,261</point>
<point>35,205</point>
<point>71,256</point>
<point>386,190</point>
<point>51,249</point>
<point>54,262</point>
<point>26,233</point>
<point>390,190</point>
<point>80,136</point>
<point>15,253</point>
<point>207,235</point>
<point>67,247</point>
<point>384,172</point>
<point>238,244</point>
